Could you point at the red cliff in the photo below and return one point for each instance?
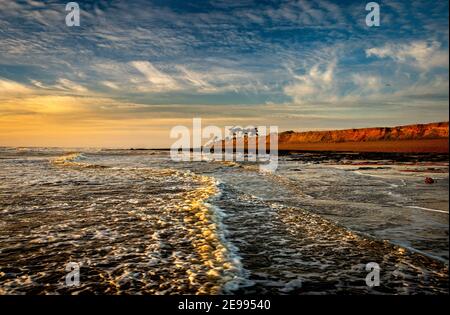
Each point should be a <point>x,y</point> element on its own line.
<point>408,132</point>
<point>432,137</point>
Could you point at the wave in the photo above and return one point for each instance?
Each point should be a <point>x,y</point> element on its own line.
<point>207,234</point>
<point>241,275</point>
<point>69,159</point>
<point>74,160</point>
<point>297,251</point>
<point>216,267</point>
<point>427,209</point>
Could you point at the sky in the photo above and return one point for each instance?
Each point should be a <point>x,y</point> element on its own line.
<point>133,70</point>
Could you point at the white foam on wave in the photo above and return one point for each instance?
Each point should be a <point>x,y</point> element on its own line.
<point>427,209</point>
<point>240,276</point>
<point>69,159</point>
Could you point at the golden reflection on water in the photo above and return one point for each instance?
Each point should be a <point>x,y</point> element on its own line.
<point>206,238</point>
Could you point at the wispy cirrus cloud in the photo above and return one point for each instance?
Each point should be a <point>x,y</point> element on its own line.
<point>308,87</point>
<point>9,87</point>
<point>68,85</point>
<point>111,85</point>
<point>422,54</point>
<point>156,79</point>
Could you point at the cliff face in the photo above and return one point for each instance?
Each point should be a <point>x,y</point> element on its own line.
<point>409,132</point>
<point>431,137</point>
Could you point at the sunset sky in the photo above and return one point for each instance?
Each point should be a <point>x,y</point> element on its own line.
<point>135,69</point>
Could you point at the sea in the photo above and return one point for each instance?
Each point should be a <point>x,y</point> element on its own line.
<point>138,222</point>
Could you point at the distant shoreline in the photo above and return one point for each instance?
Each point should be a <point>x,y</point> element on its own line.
<point>418,138</point>
<point>392,146</point>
